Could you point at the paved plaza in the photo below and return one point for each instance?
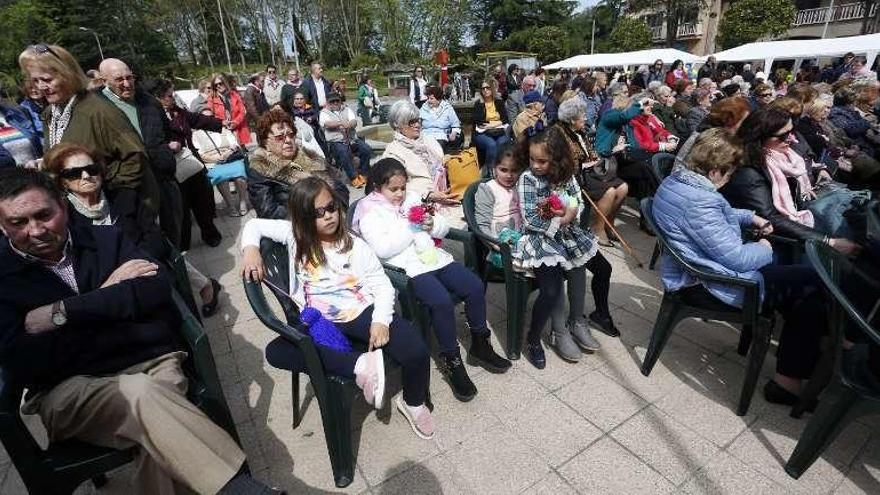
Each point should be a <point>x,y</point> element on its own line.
<point>597,426</point>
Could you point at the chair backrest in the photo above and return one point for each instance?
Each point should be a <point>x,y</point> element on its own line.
<point>647,207</point>
<point>662,165</point>
<point>277,262</point>
<point>349,217</point>
<point>468,205</point>
<point>177,262</point>
<point>855,291</point>
<point>873,228</point>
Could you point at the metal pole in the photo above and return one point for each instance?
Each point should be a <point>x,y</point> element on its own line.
<point>97,40</point>
<point>293,30</point>
<point>225,41</point>
<point>828,18</point>
<point>593,34</point>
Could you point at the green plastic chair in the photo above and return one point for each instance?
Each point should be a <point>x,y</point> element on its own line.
<point>873,228</point>
<point>335,394</point>
<point>848,397</point>
<point>756,328</point>
<point>177,263</point>
<point>516,285</point>
<point>63,466</point>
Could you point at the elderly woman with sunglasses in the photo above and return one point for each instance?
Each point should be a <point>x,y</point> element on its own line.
<point>423,159</point>
<point>761,184</point>
<point>228,106</point>
<point>76,115</point>
<point>490,125</point>
<point>279,162</point>
<point>79,173</point>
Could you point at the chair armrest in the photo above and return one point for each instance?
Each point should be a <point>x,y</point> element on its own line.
<point>257,299</point>
<point>466,237</point>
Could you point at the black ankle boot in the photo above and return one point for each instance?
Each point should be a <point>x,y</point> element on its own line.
<point>482,354</point>
<point>453,369</point>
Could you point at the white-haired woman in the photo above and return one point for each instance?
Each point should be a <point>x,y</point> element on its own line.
<point>599,183</point>
<point>423,159</point>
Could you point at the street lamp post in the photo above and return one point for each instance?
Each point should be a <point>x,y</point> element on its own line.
<point>97,40</point>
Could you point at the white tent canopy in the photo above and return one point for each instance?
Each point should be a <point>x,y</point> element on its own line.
<point>642,57</point>
<point>768,51</point>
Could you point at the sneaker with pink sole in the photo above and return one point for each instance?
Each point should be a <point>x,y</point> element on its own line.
<point>371,379</point>
<point>419,418</point>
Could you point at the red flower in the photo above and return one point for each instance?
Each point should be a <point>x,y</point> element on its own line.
<point>555,202</point>
<point>417,214</point>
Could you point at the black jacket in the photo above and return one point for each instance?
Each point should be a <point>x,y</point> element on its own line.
<point>139,228</point>
<point>480,112</point>
<point>108,329</point>
<point>749,188</point>
<point>311,91</point>
<point>269,196</point>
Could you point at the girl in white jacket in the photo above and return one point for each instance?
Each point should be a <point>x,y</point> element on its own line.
<point>402,232</point>
<point>340,276</point>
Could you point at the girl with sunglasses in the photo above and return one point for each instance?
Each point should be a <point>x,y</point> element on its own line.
<point>338,274</point>
<point>80,173</point>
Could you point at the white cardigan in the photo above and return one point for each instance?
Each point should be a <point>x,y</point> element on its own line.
<point>362,262</point>
<point>391,237</point>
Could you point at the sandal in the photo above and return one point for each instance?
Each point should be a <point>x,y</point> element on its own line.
<point>209,309</point>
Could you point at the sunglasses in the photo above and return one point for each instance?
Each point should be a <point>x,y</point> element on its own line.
<point>219,84</point>
<point>271,72</point>
<point>486,87</point>
<point>280,138</point>
<point>782,136</point>
<point>328,208</point>
<point>765,95</point>
<point>413,122</point>
<point>42,48</point>
<point>91,169</point>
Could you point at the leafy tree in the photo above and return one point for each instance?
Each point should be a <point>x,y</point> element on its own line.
<point>496,20</point>
<point>549,43</point>
<point>22,23</point>
<point>630,34</point>
<point>750,20</point>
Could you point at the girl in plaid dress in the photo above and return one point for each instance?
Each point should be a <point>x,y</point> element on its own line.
<point>556,248</point>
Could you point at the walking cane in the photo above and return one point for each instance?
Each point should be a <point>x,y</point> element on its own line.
<point>627,248</point>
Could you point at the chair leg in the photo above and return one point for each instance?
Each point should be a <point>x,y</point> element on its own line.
<point>655,255</point>
<point>831,416</point>
<point>99,481</point>
<point>745,340</point>
<point>666,320</point>
<point>757,353</point>
<point>297,414</point>
<point>336,415</point>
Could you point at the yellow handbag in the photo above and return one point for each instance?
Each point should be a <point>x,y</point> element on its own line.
<point>462,170</point>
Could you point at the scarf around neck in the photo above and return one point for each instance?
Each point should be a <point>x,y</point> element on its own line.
<point>59,121</point>
<point>421,150</point>
<point>98,214</point>
<point>370,202</point>
<point>782,163</point>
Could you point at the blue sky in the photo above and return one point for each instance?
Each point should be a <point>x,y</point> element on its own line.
<point>586,3</point>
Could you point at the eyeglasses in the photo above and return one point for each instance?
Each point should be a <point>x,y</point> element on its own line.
<point>280,138</point>
<point>414,122</point>
<point>328,208</point>
<point>92,169</point>
<point>486,87</point>
<point>219,84</point>
<point>765,95</point>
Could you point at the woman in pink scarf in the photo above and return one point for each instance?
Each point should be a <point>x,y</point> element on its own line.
<point>761,184</point>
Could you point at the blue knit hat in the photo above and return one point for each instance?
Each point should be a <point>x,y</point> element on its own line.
<point>531,97</point>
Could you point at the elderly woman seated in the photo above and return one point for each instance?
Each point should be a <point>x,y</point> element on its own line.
<point>79,172</point>
<point>279,162</point>
<point>705,230</point>
<point>223,156</point>
<point>440,122</point>
<point>601,184</point>
<point>422,157</point>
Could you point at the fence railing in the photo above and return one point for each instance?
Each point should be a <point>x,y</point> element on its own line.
<point>839,13</point>
<point>685,30</point>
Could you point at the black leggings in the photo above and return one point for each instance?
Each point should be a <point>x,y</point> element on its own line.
<point>198,198</point>
<point>550,289</point>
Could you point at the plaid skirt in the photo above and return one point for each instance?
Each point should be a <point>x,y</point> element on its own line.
<point>570,247</point>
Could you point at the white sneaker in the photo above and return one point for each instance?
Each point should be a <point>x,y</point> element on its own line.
<point>419,418</point>
<point>372,378</point>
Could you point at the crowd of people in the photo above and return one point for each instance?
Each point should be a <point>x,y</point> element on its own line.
<point>100,178</point>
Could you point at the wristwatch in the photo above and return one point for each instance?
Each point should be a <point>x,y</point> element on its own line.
<point>59,316</point>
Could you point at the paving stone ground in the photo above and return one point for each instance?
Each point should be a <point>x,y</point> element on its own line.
<point>597,426</point>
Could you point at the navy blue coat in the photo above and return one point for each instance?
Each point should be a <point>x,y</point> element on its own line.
<point>108,329</point>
